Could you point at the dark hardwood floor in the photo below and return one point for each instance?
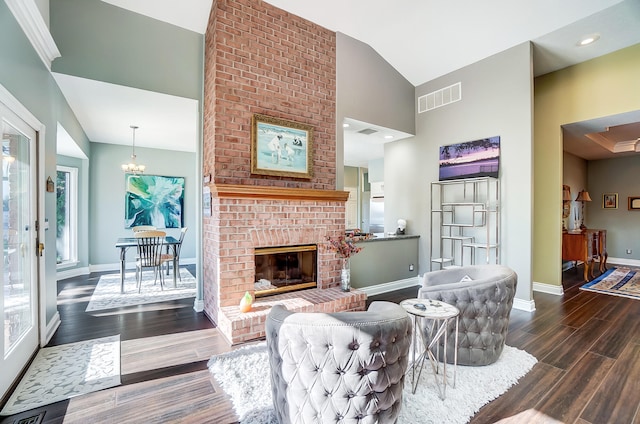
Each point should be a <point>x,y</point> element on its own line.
<point>587,346</point>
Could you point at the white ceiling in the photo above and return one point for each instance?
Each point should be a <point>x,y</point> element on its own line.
<point>107,111</point>
<point>365,142</point>
<point>422,39</point>
<point>604,138</point>
<point>425,39</point>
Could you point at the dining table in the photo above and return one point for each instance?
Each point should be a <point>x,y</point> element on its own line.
<point>124,243</point>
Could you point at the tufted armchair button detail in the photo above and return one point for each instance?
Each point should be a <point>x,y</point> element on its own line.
<point>354,380</point>
<point>485,303</point>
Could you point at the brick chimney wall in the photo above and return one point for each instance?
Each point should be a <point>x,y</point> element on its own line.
<point>261,59</point>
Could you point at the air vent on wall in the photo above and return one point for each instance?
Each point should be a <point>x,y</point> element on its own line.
<point>367,131</point>
<point>438,98</point>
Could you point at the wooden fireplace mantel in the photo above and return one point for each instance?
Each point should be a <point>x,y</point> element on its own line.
<point>266,192</point>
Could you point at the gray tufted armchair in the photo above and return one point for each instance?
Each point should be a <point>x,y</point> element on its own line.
<point>343,367</point>
<point>484,301</point>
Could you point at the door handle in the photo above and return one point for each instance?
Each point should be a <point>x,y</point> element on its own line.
<point>40,248</point>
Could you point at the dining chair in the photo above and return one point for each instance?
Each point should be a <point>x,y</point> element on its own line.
<point>150,244</point>
<point>143,228</point>
<point>176,252</point>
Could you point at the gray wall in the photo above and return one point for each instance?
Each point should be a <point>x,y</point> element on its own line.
<point>384,261</point>
<point>620,176</point>
<point>497,99</point>
<point>368,89</point>
<point>574,174</point>
<point>107,190</point>
<point>103,42</point>
<point>83,207</point>
<point>25,76</point>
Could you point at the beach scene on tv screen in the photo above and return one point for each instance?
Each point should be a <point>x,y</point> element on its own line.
<point>477,158</point>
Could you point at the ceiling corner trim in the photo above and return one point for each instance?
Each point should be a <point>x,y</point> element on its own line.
<point>30,20</point>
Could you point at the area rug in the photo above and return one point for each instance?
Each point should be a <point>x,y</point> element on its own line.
<point>244,375</point>
<point>618,281</point>
<point>107,292</point>
<point>62,372</point>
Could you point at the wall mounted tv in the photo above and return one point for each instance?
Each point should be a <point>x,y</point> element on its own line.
<point>471,159</point>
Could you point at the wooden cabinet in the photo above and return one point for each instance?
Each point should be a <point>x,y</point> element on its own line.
<point>587,246</point>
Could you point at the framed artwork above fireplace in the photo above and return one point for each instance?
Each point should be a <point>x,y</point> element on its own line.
<point>281,148</point>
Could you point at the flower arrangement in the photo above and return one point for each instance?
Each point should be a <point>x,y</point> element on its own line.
<point>343,246</point>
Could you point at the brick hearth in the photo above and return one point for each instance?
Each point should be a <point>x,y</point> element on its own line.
<point>240,327</point>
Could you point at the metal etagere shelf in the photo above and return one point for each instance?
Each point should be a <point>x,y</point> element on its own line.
<point>465,222</point>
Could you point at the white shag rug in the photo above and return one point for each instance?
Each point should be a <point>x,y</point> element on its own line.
<point>107,292</point>
<point>244,375</point>
<point>61,372</point>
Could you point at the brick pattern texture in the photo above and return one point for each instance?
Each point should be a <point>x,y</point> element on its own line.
<point>261,59</point>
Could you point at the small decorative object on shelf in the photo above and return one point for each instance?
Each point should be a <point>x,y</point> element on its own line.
<point>344,248</point>
<point>245,302</point>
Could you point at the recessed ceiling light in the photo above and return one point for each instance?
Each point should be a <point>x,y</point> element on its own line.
<point>388,137</point>
<point>588,39</point>
<point>345,125</point>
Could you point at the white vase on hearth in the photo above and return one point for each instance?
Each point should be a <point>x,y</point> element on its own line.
<point>345,275</point>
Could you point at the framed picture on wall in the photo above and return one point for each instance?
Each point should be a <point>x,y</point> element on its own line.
<point>610,200</point>
<point>634,203</point>
<point>153,200</point>
<point>281,148</point>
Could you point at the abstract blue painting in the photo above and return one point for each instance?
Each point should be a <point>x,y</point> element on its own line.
<point>154,200</point>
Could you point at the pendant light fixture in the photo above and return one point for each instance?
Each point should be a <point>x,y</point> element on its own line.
<point>132,167</point>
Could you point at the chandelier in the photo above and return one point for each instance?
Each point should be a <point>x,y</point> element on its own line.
<point>132,167</point>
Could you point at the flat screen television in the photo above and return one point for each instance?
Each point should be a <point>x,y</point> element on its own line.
<point>471,159</point>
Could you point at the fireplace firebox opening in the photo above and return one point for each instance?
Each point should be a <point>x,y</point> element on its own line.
<point>286,268</point>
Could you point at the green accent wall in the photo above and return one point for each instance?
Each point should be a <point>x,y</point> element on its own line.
<point>604,86</point>
<point>25,76</point>
<point>107,195</point>
<point>103,42</point>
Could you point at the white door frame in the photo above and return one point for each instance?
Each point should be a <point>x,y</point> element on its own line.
<point>45,329</point>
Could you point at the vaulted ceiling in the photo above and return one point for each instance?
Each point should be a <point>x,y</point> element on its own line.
<point>422,39</point>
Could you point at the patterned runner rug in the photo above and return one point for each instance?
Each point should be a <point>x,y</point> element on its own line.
<point>107,292</point>
<point>62,372</point>
<point>618,281</point>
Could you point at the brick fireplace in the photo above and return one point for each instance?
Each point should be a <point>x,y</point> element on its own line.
<point>262,60</point>
<point>298,217</point>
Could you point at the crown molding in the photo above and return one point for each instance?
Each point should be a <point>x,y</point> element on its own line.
<point>30,20</point>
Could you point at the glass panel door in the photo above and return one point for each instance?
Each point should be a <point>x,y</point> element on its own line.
<point>19,268</point>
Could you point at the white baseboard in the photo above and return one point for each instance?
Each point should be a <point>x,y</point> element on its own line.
<point>623,261</point>
<point>74,272</point>
<point>524,305</point>
<point>52,326</point>
<point>198,305</point>
<point>110,267</point>
<point>548,288</point>
<point>393,285</point>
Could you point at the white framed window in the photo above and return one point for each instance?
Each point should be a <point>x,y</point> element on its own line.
<point>66,216</point>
